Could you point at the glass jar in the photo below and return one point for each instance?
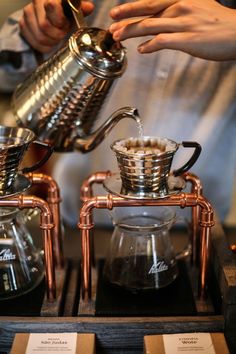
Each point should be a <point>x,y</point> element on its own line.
<point>141,255</point>
<point>21,264</point>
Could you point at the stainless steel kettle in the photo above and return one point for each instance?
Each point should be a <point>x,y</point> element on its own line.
<point>61,99</point>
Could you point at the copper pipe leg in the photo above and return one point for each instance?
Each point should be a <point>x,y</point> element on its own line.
<point>53,199</point>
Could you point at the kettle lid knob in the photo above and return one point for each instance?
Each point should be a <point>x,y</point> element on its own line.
<point>95,50</point>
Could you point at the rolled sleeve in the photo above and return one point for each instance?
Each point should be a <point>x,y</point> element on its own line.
<point>17,59</point>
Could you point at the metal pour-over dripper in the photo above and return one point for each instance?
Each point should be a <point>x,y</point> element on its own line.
<point>145,164</point>
<point>14,142</point>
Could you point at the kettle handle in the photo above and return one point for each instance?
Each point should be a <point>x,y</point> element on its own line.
<point>197,150</point>
<point>44,159</point>
<point>72,9</point>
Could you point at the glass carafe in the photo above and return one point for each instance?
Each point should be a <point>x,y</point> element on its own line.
<point>141,255</point>
<point>21,264</point>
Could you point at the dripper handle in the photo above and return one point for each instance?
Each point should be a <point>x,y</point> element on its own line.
<point>72,9</point>
<point>43,160</point>
<point>197,150</point>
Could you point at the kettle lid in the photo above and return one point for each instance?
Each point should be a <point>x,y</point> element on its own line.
<point>95,49</point>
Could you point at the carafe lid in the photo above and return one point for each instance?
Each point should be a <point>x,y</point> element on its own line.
<point>95,50</point>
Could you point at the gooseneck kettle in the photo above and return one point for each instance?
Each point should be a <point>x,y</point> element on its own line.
<point>61,99</point>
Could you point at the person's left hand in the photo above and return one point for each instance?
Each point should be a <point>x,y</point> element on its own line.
<point>203,28</point>
<point>43,24</point>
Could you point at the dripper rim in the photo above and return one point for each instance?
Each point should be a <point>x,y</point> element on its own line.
<point>8,130</point>
<point>143,154</point>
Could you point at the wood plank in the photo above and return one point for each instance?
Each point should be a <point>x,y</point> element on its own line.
<point>113,333</point>
<point>54,308</point>
<point>71,296</point>
<point>87,308</point>
<point>223,262</point>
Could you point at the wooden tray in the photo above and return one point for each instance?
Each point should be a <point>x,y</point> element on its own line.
<point>125,334</point>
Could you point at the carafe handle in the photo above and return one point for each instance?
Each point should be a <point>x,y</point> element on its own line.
<point>197,150</point>
<point>42,161</point>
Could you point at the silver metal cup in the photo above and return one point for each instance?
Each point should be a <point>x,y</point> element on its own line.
<point>14,142</point>
<point>145,163</point>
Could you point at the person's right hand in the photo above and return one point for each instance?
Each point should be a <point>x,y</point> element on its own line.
<point>44,25</point>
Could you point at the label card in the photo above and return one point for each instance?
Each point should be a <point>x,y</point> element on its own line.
<point>187,343</point>
<point>53,343</point>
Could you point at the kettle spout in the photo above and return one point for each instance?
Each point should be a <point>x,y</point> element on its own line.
<point>92,141</point>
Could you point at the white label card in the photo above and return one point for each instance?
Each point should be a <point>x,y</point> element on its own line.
<point>188,343</point>
<point>53,343</point>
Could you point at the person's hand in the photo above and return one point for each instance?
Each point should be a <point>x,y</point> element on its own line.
<point>203,28</point>
<point>43,24</point>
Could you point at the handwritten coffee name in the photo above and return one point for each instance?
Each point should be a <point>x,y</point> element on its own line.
<point>53,341</point>
<point>189,340</point>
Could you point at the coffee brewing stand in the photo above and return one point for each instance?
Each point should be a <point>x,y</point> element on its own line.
<point>201,222</point>
<point>50,227</point>
<point>122,332</point>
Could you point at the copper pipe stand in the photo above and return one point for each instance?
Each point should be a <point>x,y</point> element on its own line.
<point>51,232</point>
<point>201,223</point>
<point>46,225</point>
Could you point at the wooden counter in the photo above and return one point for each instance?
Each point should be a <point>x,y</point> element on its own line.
<point>125,334</point>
